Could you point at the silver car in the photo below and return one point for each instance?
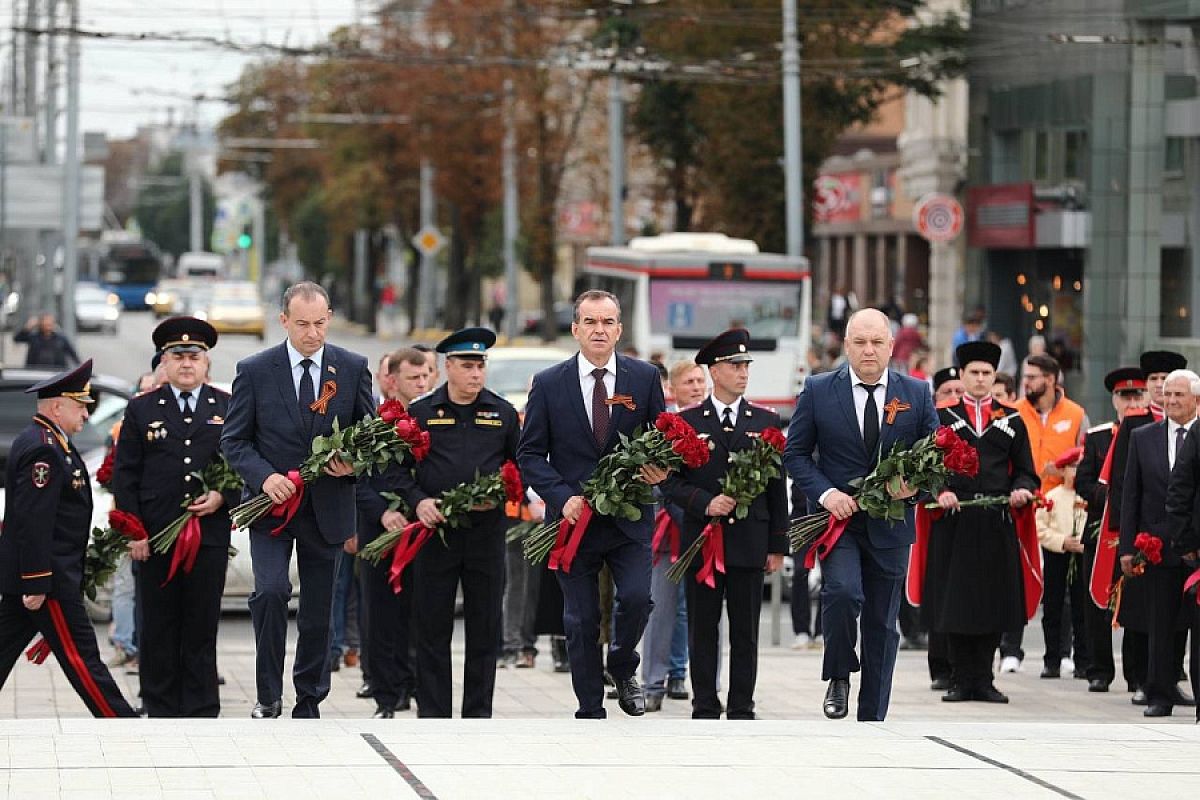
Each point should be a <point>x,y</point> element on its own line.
<point>96,309</point>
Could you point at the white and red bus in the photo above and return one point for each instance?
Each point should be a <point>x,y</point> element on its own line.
<point>679,290</point>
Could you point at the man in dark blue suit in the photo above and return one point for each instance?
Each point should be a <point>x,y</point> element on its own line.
<point>283,398</point>
<point>1153,451</point>
<point>575,412</point>
<point>844,421</point>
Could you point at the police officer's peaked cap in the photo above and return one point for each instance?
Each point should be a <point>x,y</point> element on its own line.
<point>1153,361</point>
<point>946,374</point>
<point>986,352</point>
<point>1125,380</point>
<point>732,346</point>
<point>467,343</point>
<point>184,335</point>
<point>75,384</point>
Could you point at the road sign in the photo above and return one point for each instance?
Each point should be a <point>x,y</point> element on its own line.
<point>34,197</point>
<point>938,217</point>
<point>429,241</point>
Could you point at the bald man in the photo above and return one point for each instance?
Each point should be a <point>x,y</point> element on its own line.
<point>852,417</point>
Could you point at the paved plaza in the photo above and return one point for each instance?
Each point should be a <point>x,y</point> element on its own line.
<point>1053,740</point>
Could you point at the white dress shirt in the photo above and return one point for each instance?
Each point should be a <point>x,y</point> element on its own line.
<point>860,397</point>
<point>1173,426</point>
<point>734,407</point>
<point>295,357</point>
<point>587,382</point>
<point>194,399</point>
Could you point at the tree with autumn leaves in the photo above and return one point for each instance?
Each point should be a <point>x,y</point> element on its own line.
<point>430,85</point>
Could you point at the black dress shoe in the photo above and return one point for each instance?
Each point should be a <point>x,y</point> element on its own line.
<point>383,713</point>
<point>1139,698</point>
<point>677,689</point>
<point>1181,698</point>
<point>335,663</point>
<point>1097,685</point>
<point>741,715</point>
<point>653,703</point>
<point>940,684</point>
<point>630,697</point>
<point>405,701</point>
<point>1051,672</point>
<point>365,691</point>
<point>957,695</point>
<point>1156,710</point>
<point>611,694</point>
<point>836,698</point>
<point>558,651</point>
<point>267,710</point>
<point>990,694</point>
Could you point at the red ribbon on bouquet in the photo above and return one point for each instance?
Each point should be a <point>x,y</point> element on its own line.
<point>412,539</point>
<point>665,530</point>
<point>570,536</point>
<point>1192,580</point>
<point>713,553</point>
<point>824,543</point>
<point>288,508</point>
<point>187,547</point>
<point>39,652</point>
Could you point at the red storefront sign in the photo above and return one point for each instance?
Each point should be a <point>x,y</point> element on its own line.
<point>1001,217</point>
<point>838,198</point>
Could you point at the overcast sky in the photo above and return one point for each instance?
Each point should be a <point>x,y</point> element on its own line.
<point>127,84</point>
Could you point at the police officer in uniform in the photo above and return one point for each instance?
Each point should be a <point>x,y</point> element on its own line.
<point>753,546</point>
<point>46,527</point>
<point>473,431</point>
<point>168,434</point>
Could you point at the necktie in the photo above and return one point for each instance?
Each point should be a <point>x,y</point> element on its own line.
<point>186,397</point>
<point>870,420</point>
<point>727,420</point>
<point>600,410</point>
<point>307,394</point>
<point>1180,435</point>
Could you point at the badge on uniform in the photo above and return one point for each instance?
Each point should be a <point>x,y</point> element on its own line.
<point>216,421</point>
<point>41,475</point>
<point>77,482</point>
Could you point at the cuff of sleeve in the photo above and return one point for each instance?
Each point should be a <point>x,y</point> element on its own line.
<point>777,543</point>
<point>824,494</point>
<point>36,583</point>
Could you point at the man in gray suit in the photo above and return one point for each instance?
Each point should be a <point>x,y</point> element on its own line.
<point>283,398</point>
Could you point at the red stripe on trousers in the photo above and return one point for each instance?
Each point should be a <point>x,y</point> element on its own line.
<point>75,660</point>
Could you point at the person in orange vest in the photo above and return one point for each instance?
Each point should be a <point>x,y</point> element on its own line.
<point>1055,424</point>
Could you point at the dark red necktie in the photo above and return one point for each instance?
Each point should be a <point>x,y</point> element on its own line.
<point>600,408</point>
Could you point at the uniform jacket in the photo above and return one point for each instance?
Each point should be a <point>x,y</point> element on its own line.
<point>157,451</point>
<point>557,451</point>
<point>825,448</point>
<point>764,530</point>
<point>47,515</point>
<point>264,432</point>
<point>1087,476</point>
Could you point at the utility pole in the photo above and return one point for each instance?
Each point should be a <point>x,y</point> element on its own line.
<point>195,207</point>
<point>509,174</point>
<point>71,173</point>
<point>616,159</point>
<point>50,142</point>
<point>425,308</point>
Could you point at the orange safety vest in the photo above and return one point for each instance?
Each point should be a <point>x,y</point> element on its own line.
<point>1059,433</point>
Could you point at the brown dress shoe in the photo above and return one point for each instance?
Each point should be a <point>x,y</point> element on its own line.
<point>525,661</point>
<point>351,658</point>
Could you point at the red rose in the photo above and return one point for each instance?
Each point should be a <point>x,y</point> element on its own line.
<point>127,525</point>
<point>105,473</point>
<point>420,444</point>
<point>514,492</point>
<point>665,421</point>
<point>407,428</point>
<point>1149,546</point>
<point>775,438</point>
<point>945,438</point>
<point>392,410</point>
<point>962,459</point>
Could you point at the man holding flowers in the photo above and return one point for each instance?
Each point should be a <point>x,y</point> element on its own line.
<point>843,421</point>
<point>749,532</point>
<point>283,398</point>
<point>169,437</point>
<point>473,431</point>
<point>577,412</point>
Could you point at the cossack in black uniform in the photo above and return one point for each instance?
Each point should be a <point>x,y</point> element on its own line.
<point>748,542</point>
<point>47,522</point>
<point>466,441</point>
<point>159,448</point>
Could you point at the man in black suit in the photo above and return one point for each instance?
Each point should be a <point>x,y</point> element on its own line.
<point>576,412</point>
<point>752,546</point>
<point>274,415</point>
<point>167,435</point>
<point>1153,452</point>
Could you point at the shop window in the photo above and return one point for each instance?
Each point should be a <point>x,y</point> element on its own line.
<point>1176,294</point>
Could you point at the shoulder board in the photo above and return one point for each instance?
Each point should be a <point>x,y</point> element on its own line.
<point>760,407</point>
<point>1107,426</point>
<point>1138,412</point>
<point>216,390</point>
<point>944,404</point>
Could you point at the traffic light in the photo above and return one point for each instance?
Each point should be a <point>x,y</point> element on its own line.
<point>244,239</point>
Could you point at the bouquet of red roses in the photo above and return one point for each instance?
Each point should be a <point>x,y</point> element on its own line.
<point>368,446</point>
<point>106,547</point>
<point>104,475</point>
<point>616,489</point>
<point>1149,551</point>
<point>455,504</point>
<point>747,477</point>
<point>183,534</point>
<point>926,466</point>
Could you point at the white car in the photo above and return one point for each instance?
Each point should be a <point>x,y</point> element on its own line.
<point>510,370</point>
<point>96,308</point>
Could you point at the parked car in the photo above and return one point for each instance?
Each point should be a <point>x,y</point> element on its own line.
<point>96,308</point>
<point>235,307</point>
<point>169,298</point>
<point>510,370</point>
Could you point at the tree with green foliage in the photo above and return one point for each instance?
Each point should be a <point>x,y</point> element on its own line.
<point>163,207</point>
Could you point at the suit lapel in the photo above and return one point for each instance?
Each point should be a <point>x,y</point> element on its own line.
<point>887,433</point>
<point>845,401</point>
<point>171,408</point>
<point>710,423</point>
<point>329,372</point>
<point>287,389</point>
<point>570,379</point>
<point>620,386</point>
